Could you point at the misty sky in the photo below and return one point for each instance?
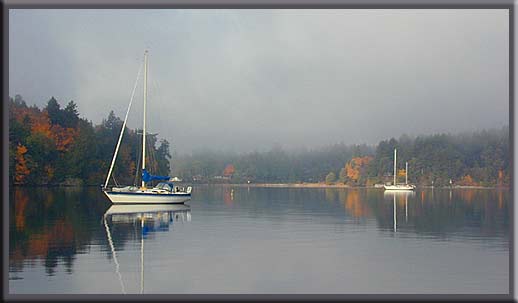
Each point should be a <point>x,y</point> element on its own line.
<point>245,80</point>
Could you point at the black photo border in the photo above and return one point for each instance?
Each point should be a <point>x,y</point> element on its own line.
<point>250,4</point>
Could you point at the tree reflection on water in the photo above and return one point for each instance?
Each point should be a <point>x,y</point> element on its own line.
<point>52,226</point>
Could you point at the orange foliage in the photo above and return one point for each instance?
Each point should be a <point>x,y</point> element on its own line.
<point>228,196</point>
<point>19,209</point>
<point>355,207</point>
<point>63,137</point>
<point>40,123</point>
<point>39,120</point>
<point>229,170</point>
<point>21,170</point>
<point>352,173</point>
<point>500,177</point>
<point>355,167</point>
<point>38,245</point>
<point>466,195</point>
<point>61,232</point>
<point>401,200</point>
<point>401,173</point>
<point>467,180</point>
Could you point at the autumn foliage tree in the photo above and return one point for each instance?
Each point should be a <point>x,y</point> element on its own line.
<point>356,170</point>
<point>21,170</point>
<point>467,180</point>
<point>229,170</point>
<point>53,145</point>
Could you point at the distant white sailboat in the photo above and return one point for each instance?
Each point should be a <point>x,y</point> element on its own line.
<point>164,192</point>
<point>400,187</point>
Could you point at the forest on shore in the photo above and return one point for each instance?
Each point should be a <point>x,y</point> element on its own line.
<point>54,146</point>
<point>468,159</point>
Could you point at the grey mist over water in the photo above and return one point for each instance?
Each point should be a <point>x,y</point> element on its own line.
<point>244,80</point>
<point>263,240</point>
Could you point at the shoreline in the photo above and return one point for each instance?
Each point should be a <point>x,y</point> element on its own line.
<point>276,185</point>
<point>323,185</point>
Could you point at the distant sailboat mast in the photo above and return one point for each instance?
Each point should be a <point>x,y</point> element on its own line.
<point>401,186</point>
<point>406,172</point>
<point>395,160</point>
<point>144,120</point>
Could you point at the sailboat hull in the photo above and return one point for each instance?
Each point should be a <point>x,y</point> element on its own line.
<point>147,198</point>
<point>400,187</point>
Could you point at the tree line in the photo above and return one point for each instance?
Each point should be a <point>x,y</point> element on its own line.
<point>54,146</point>
<point>471,159</point>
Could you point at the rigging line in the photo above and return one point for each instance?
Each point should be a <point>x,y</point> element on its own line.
<point>117,266</point>
<point>115,181</point>
<point>123,126</point>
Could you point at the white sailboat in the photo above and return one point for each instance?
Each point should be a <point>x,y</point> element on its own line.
<point>164,192</point>
<point>400,187</point>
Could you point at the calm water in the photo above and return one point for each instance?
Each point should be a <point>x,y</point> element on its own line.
<point>262,240</point>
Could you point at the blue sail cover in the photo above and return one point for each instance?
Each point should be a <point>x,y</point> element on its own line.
<point>146,177</point>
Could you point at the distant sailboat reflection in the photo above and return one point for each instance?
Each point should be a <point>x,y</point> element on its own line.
<point>153,217</point>
<point>398,195</point>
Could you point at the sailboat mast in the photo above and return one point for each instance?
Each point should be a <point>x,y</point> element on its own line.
<point>406,172</point>
<point>144,120</point>
<point>395,157</point>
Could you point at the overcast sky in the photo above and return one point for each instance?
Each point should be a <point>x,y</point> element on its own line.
<point>245,80</point>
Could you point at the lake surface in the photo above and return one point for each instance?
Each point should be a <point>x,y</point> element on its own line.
<point>237,240</point>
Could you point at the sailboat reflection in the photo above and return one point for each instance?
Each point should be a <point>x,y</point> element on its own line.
<point>398,195</point>
<point>155,217</point>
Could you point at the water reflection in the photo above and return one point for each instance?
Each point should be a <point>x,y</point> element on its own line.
<point>228,196</point>
<point>398,196</point>
<point>353,202</point>
<point>50,228</point>
<point>441,214</point>
<point>150,218</point>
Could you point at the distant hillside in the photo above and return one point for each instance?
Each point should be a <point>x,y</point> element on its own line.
<point>478,159</point>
